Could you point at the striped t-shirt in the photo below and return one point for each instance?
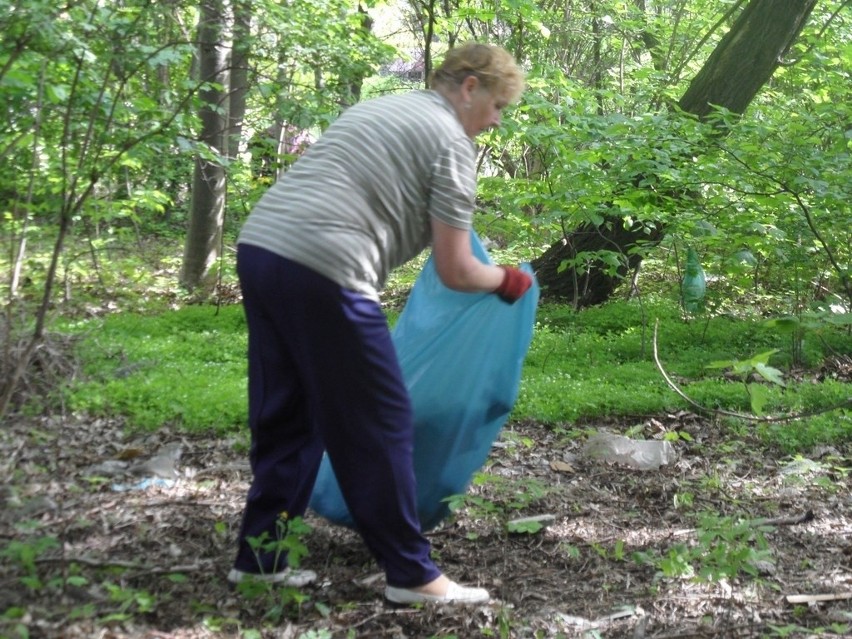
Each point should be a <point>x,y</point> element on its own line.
<point>358,202</point>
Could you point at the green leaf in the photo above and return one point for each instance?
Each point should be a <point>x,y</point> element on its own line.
<point>117,616</point>
<point>525,527</point>
<point>721,363</point>
<point>705,228</point>
<point>769,373</point>
<point>759,396</point>
<point>15,612</point>
<point>745,256</point>
<point>762,358</point>
<point>542,28</point>
<point>784,324</point>
<point>58,93</point>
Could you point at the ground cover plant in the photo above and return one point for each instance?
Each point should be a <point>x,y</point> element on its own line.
<point>121,507</point>
<point>186,368</point>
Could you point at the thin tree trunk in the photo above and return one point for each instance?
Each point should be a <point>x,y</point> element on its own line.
<point>357,82</point>
<point>207,212</point>
<point>238,83</point>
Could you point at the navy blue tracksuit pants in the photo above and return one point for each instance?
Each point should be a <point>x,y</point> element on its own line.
<point>323,375</point>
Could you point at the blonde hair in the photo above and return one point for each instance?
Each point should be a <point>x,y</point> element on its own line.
<point>493,66</point>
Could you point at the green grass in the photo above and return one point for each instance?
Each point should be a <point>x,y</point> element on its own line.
<point>599,363</point>
<point>187,368</point>
<point>184,368</point>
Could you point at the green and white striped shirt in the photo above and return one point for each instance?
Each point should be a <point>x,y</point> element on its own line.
<point>358,203</point>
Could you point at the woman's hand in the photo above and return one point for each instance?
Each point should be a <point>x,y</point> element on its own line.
<point>515,283</point>
<point>460,270</point>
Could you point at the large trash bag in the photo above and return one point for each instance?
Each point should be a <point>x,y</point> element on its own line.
<point>461,356</point>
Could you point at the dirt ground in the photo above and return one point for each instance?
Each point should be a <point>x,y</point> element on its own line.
<point>148,560</point>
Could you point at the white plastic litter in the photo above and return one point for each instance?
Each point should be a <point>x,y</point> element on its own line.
<point>635,453</point>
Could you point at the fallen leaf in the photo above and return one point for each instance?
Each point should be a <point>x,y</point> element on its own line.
<point>561,467</point>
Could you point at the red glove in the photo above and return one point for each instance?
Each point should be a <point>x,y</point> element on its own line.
<point>515,283</point>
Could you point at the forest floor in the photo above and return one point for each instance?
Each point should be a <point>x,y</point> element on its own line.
<point>91,553</point>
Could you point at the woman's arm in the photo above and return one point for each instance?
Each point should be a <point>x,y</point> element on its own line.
<point>457,267</point>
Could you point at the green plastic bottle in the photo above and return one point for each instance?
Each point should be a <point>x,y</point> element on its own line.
<point>694,284</point>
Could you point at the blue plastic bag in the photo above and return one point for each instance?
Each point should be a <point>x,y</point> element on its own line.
<point>461,356</point>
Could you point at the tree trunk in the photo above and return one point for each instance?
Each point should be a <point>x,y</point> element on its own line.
<point>741,64</point>
<point>204,236</point>
<point>747,56</point>
<point>238,81</point>
<point>356,83</point>
<point>587,284</point>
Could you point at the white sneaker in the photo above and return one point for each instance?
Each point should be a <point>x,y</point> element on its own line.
<point>286,577</point>
<point>456,595</point>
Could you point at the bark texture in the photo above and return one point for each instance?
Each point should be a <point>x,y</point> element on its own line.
<point>204,236</point>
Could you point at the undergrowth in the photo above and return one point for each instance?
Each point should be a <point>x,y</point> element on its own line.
<point>148,357</point>
<point>186,368</point>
